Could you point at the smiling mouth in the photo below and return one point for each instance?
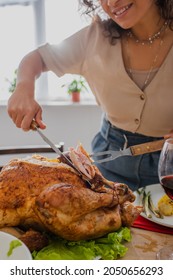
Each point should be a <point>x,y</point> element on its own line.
<point>119,12</point>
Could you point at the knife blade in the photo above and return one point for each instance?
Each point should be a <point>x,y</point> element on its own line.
<point>135,150</point>
<point>34,126</point>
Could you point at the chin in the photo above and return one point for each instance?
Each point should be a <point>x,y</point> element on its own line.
<point>125,25</point>
<point>122,23</point>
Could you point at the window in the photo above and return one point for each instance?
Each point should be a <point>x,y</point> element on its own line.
<point>18,37</point>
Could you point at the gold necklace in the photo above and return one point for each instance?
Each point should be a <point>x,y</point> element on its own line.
<point>149,40</point>
<point>152,64</point>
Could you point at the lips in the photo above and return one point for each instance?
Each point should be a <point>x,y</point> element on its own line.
<point>119,11</point>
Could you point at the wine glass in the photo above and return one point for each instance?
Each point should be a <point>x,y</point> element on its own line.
<point>165,167</point>
<point>165,172</point>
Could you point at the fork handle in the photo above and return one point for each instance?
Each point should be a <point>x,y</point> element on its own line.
<point>147,147</point>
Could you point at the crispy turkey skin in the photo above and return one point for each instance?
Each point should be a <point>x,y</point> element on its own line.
<point>51,196</point>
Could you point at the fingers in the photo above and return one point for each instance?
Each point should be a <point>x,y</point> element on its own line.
<point>166,136</point>
<point>28,118</point>
<point>23,108</point>
<point>22,118</point>
<point>38,119</point>
<point>26,123</point>
<point>169,135</point>
<point>18,120</point>
<point>16,116</point>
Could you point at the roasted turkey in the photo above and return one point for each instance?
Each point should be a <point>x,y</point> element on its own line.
<point>50,195</point>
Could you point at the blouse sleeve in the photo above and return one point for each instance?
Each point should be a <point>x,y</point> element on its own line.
<point>69,56</point>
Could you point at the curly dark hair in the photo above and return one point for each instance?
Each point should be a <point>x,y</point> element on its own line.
<point>111,28</point>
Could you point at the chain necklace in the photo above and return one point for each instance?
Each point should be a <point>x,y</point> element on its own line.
<point>151,67</point>
<point>149,40</point>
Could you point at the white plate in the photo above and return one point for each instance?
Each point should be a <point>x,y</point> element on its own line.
<point>19,253</point>
<point>156,193</point>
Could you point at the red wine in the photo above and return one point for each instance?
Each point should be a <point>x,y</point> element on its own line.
<point>167,184</point>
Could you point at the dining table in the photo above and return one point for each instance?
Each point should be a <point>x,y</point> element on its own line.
<point>145,244</point>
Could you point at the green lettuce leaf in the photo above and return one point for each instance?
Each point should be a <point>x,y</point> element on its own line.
<point>13,244</point>
<point>109,247</point>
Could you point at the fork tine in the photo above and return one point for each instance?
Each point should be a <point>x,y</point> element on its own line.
<point>104,153</point>
<point>108,157</point>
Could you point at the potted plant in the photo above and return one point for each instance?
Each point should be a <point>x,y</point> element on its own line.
<point>12,83</point>
<point>75,87</point>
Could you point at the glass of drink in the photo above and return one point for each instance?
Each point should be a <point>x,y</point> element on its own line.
<point>165,169</point>
<point>165,172</point>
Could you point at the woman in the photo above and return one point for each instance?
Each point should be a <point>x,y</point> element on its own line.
<point>126,56</point>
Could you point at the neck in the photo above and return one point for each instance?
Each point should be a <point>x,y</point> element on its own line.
<point>151,38</point>
<point>144,31</point>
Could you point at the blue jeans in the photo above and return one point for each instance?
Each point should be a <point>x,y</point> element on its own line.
<point>136,171</point>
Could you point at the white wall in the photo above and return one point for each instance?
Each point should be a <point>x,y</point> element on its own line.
<point>68,123</point>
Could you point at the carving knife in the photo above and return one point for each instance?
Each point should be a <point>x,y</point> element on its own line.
<point>34,126</point>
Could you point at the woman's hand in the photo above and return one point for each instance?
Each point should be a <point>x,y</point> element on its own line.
<point>169,135</point>
<point>22,107</point>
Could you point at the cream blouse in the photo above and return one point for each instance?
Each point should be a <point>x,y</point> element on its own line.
<point>89,53</point>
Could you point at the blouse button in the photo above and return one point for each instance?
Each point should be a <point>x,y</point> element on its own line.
<point>142,96</point>
<point>137,121</point>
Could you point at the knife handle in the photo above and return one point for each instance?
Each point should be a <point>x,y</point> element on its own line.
<point>147,147</point>
<point>34,125</point>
